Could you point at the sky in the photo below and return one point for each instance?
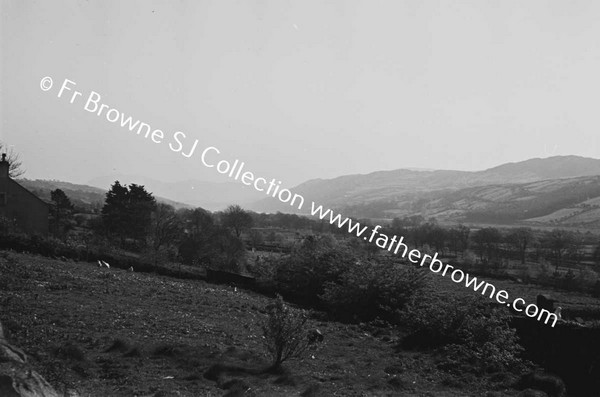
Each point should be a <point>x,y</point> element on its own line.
<point>298,89</point>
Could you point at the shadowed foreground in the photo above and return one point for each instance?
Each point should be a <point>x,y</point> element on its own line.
<point>108,332</point>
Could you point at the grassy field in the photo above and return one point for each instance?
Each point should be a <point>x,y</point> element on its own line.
<point>107,332</point>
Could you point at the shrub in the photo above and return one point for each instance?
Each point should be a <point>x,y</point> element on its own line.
<point>528,272</point>
<point>216,247</point>
<point>327,274</point>
<point>469,258</point>
<point>568,281</point>
<point>264,270</point>
<point>274,237</point>
<point>256,237</point>
<point>302,275</point>
<point>586,279</point>
<point>433,321</point>
<point>284,331</point>
<point>368,290</point>
<point>473,335</point>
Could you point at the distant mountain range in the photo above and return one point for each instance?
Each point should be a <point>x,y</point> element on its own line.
<point>554,191</point>
<point>561,190</point>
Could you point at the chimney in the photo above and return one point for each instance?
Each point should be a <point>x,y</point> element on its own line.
<point>4,167</point>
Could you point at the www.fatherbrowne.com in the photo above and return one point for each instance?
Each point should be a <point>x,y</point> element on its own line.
<point>397,245</point>
<point>393,244</point>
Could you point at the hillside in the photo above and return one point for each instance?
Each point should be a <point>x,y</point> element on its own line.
<point>556,191</point>
<point>565,202</point>
<point>529,191</point>
<point>114,333</point>
<point>82,196</point>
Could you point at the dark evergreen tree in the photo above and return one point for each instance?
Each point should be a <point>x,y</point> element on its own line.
<point>61,212</point>
<point>114,212</point>
<point>140,206</point>
<point>127,212</point>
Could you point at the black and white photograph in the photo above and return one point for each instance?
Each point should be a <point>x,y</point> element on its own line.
<point>309,198</point>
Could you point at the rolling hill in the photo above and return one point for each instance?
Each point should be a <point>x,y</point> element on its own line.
<point>561,190</point>
<point>555,191</point>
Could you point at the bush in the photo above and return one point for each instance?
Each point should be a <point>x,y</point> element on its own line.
<point>46,246</point>
<point>528,272</point>
<point>586,279</point>
<point>263,268</point>
<point>545,272</point>
<point>330,275</point>
<point>433,321</point>
<point>472,334</point>
<point>303,274</point>
<point>568,281</point>
<point>469,258</point>
<point>368,290</point>
<point>216,247</point>
<point>256,237</point>
<point>284,331</point>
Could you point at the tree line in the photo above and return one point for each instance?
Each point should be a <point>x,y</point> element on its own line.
<point>491,244</point>
<point>131,219</point>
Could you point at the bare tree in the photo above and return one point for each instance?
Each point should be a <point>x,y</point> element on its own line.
<point>488,242</point>
<point>15,167</point>
<point>236,218</point>
<point>459,238</point>
<point>558,241</point>
<point>521,238</point>
<point>165,227</point>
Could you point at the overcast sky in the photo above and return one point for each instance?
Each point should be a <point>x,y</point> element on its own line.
<point>300,89</point>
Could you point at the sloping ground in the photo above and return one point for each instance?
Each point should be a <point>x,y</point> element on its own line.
<point>579,217</point>
<point>390,186</point>
<point>588,216</point>
<point>535,191</point>
<point>559,202</point>
<point>515,203</point>
<point>111,333</point>
<point>595,202</point>
<point>557,216</point>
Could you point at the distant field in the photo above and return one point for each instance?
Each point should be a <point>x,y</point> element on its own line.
<point>556,216</point>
